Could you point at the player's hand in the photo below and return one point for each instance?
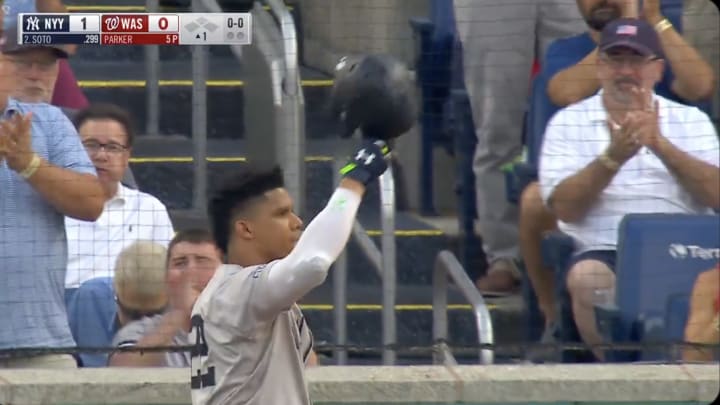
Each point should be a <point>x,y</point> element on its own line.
<point>16,141</point>
<point>368,162</point>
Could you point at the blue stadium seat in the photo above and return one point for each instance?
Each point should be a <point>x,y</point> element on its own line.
<point>91,313</point>
<point>659,258</point>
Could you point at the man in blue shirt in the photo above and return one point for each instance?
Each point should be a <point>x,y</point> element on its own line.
<point>570,74</point>
<point>45,174</point>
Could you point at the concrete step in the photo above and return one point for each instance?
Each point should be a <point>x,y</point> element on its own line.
<point>414,321</point>
<point>225,96</point>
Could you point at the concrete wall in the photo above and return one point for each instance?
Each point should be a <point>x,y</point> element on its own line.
<point>332,28</point>
<point>383,385</point>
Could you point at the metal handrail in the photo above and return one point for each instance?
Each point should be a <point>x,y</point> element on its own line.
<point>291,84</point>
<point>389,262</point>
<point>446,264</point>
<point>383,259</point>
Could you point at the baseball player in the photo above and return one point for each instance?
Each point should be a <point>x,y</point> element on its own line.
<point>251,341</point>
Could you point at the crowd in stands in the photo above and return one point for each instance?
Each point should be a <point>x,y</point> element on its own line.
<point>88,260</point>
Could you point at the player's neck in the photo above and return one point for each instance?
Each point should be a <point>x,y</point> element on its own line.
<point>245,257</point>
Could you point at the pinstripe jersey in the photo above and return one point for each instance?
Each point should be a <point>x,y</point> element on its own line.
<point>241,357</point>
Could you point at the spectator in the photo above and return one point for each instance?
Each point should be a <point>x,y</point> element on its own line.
<point>129,215</point>
<point>37,68</point>
<point>571,69</point>
<point>632,151</point>
<point>191,262</point>
<point>66,93</point>
<point>139,282</point>
<point>703,324</point>
<point>44,175</point>
<point>500,39</point>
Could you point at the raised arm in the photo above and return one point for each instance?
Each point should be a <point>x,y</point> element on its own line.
<point>694,78</point>
<point>306,267</point>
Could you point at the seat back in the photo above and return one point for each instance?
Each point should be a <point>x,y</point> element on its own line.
<point>659,258</point>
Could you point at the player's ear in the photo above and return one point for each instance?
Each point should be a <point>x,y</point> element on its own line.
<point>243,229</point>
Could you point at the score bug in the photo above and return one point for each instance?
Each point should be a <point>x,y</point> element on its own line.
<point>238,22</point>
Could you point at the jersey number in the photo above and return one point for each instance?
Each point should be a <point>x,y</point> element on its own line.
<point>198,355</point>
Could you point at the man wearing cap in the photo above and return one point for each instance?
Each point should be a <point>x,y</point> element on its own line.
<point>45,174</point>
<point>37,68</point>
<point>569,73</point>
<point>633,151</point>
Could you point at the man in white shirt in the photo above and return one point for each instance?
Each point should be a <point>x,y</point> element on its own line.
<point>129,215</point>
<point>625,150</point>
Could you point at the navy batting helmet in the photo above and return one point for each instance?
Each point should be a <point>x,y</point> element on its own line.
<point>376,94</point>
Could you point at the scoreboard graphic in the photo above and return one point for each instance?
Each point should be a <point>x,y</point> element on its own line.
<point>136,29</point>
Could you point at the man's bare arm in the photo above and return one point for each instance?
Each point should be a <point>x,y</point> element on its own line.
<point>700,179</point>
<point>575,83</point>
<point>694,78</point>
<point>574,196</point>
<point>172,323</point>
<point>73,194</point>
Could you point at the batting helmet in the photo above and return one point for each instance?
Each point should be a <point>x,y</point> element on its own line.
<point>376,94</point>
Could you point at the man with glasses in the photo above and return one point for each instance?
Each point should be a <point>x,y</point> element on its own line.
<point>633,151</point>
<point>129,215</point>
<point>37,69</point>
<point>569,73</point>
<point>44,175</point>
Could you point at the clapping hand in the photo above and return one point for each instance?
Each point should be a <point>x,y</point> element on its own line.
<point>16,141</point>
<point>644,122</point>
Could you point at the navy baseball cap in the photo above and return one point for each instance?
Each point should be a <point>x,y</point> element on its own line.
<point>631,33</point>
<point>9,44</point>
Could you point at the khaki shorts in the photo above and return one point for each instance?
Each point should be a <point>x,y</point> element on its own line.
<point>50,361</point>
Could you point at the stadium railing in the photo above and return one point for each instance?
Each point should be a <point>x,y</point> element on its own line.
<point>446,264</point>
<point>271,80</point>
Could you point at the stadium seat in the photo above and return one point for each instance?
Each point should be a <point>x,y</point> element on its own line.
<point>91,314</point>
<point>659,258</point>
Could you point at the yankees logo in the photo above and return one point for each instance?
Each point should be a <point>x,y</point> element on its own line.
<point>365,157</point>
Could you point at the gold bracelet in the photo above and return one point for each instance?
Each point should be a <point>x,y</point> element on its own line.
<point>31,167</point>
<point>663,25</point>
<point>608,162</point>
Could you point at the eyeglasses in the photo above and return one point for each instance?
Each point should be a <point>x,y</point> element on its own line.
<point>113,148</point>
<point>617,61</point>
<point>135,314</point>
<point>27,63</point>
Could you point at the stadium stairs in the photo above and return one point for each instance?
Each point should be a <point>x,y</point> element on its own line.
<point>162,165</point>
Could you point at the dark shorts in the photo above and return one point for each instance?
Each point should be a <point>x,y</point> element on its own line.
<point>605,256</point>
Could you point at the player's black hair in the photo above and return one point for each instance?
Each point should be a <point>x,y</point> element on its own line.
<point>106,111</point>
<point>235,194</point>
<point>192,235</point>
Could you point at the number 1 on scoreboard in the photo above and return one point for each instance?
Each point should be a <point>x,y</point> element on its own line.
<point>84,23</point>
